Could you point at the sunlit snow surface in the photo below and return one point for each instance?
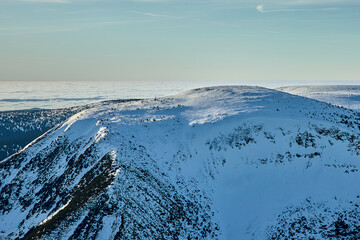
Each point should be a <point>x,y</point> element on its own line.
<point>232,162</point>
<point>341,95</point>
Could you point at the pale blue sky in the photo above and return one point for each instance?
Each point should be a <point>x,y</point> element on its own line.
<point>180,40</point>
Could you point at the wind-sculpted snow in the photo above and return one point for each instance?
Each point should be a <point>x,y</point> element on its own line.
<point>229,162</point>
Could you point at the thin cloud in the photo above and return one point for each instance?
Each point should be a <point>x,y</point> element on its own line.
<point>151,1</point>
<point>9,31</point>
<point>45,1</point>
<point>32,31</point>
<point>261,9</point>
<point>151,14</point>
<point>316,2</point>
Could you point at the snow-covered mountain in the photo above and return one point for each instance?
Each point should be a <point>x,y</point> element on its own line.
<point>19,128</point>
<point>231,162</point>
<point>340,95</point>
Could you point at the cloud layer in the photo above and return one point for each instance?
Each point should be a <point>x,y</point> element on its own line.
<point>261,9</point>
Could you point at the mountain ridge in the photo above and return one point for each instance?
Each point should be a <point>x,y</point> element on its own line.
<point>231,162</point>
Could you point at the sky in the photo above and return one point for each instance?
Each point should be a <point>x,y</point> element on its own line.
<point>180,40</point>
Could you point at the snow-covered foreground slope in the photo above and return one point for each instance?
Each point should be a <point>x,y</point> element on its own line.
<point>340,95</point>
<point>229,162</point>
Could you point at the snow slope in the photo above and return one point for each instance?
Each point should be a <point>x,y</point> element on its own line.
<point>340,95</point>
<point>232,162</point>
<point>19,128</point>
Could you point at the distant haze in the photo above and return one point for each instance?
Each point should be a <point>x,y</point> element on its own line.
<point>178,40</point>
<point>19,95</point>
